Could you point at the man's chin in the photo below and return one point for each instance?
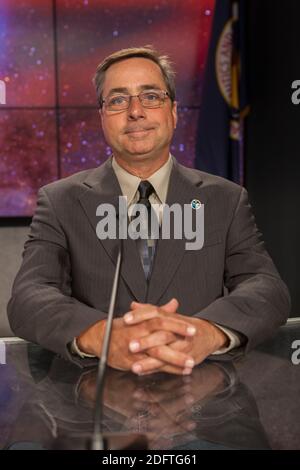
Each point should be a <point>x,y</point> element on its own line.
<point>140,152</point>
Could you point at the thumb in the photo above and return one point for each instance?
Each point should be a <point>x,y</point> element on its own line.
<point>171,306</point>
<point>134,305</point>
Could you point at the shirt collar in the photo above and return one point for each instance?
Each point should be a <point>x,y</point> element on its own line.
<point>129,183</point>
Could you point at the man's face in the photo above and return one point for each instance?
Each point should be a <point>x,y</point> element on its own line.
<point>138,133</point>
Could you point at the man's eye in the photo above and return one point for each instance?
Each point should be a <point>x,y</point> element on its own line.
<point>151,96</point>
<point>117,100</point>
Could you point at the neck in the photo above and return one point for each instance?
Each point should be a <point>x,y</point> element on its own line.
<point>142,168</point>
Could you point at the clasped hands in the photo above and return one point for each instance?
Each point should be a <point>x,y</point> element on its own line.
<point>150,339</point>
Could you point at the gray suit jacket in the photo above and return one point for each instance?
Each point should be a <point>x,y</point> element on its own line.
<point>65,280</point>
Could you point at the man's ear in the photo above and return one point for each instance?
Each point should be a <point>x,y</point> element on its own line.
<point>174,112</point>
<point>101,115</point>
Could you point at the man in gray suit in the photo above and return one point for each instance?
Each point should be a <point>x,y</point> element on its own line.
<point>171,309</point>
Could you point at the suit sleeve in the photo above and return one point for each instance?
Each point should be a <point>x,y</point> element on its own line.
<point>42,309</point>
<point>258,301</point>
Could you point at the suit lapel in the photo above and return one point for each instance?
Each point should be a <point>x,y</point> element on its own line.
<point>102,188</point>
<point>183,188</point>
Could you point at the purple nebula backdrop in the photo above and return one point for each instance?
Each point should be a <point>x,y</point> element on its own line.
<point>49,50</point>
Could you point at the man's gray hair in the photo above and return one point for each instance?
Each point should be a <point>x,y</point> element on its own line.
<point>147,52</point>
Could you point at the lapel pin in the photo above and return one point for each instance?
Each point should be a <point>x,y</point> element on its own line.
<point>196,204</point>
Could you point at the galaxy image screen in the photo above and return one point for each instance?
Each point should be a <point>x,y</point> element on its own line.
<point>49,50</point>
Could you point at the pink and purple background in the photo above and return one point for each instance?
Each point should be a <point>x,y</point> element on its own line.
<point>49,50</point>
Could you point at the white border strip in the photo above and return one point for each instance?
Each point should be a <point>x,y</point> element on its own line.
<point>2,353</point>
<point>292,320</point>
<point>12,339</point>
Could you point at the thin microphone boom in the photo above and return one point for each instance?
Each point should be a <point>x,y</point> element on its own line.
<point>122,441</point>
<point>97,439</point>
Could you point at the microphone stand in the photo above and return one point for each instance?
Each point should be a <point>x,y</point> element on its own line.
<point>97,438</point>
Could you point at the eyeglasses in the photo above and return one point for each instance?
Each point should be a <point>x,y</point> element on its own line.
<point>148,99</point>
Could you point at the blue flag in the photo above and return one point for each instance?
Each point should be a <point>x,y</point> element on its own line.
<point>219,147</point>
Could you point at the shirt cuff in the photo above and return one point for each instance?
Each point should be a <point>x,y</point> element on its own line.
<point>75,350</point>
<point>234,340</point>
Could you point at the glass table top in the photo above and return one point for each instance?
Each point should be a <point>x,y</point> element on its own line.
<point>249,403</point>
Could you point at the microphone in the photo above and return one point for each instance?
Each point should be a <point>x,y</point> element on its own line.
<point>98,439</point>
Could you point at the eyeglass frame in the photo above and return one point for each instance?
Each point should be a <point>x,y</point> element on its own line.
<point>166,94</point>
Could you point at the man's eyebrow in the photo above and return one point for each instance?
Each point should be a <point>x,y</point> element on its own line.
<point>118,90</point>
<point>150,86</point>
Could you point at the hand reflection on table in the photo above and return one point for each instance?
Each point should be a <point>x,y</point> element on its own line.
<point>168,408</point>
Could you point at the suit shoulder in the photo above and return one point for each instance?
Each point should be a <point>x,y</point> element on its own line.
<point>67,182</point>
<point>211,181</point>
<point>68,187</point>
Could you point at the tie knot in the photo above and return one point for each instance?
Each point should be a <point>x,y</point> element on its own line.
<point>145,189</point>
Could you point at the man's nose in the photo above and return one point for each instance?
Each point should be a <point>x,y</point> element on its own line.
<point>135,109</point>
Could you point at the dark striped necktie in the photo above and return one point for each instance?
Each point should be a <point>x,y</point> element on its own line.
<point>146,247</point>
